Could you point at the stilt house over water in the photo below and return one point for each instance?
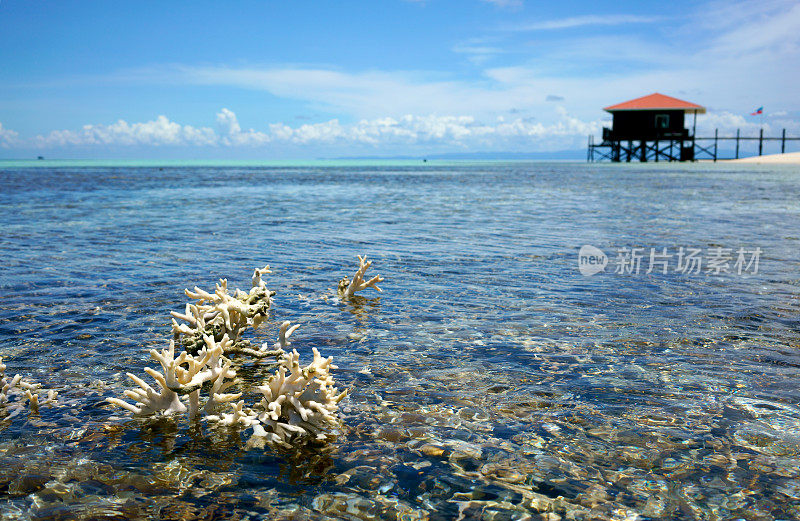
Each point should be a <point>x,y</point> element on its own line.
<point>650,128</point>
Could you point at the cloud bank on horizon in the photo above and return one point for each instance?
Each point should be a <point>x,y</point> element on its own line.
<point>408,77</point>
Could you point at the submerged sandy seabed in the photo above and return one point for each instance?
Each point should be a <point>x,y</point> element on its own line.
<point>792,158</point>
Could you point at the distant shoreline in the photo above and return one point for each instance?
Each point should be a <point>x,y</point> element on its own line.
<point>276,163</point>
<point>791,158</point>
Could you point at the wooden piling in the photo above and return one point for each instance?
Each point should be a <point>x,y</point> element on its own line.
<point>716,140</point>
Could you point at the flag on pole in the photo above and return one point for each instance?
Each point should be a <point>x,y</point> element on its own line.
<point>759,110</point>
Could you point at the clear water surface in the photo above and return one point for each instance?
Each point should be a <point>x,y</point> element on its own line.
<point>490,379</point>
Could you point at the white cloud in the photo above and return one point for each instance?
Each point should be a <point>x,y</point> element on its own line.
<point>512,4</point>
<point>447,131</point>
<point>583,21</point>
<point>731,56</point>
<point>464,131</point>
<point>429,132</point>
<point>158,132</point>
<point>727,123</point>
<point>749,26</point>
<point>227,122</point>
<point>376,94</point>
<point>8,137</point>
<point>443,131</point>
<point>231,131</point>
<point>478,53</point>
<point>710,58</point>
<point>363,94</point>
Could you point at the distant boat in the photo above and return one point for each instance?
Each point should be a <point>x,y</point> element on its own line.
<point>40,157</point>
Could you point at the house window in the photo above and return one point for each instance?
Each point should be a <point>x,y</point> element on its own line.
<point>662,121</point>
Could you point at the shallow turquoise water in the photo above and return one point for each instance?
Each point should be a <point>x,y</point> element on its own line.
<point>489,378</point>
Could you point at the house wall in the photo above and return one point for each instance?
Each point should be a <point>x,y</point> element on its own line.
<point>642,125</point>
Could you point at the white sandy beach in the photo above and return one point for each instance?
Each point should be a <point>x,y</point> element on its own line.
<point>792,158</point>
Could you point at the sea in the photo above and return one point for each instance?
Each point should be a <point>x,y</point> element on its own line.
<point>554,340</point>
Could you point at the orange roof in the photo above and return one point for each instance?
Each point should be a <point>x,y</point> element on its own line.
<point>656,102</point>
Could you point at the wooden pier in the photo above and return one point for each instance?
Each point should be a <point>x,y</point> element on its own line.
<point>675,150</point>
<point>651,128</point>
<point>711,151</point>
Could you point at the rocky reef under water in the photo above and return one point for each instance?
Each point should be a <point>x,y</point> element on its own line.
<point>239,429</point>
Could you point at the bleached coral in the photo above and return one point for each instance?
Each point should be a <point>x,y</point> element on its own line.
<point>149,401</point>
<point>303,403</point>
<point>218,314</point>
<point>15,392</point>
<point>348,288</point>
<point>297,403</point>
<point>277,350</point>
<point>283,335</point>
<point>182,376</point>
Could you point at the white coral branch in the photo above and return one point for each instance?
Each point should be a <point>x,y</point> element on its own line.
<point>180,376</point>
<point>348,288</point>
<point>302,403</point>
<point>284,333</point>
<point>256,280</point>
<point>221,313</point>
<point>15,392</point>
<point>148,400</point>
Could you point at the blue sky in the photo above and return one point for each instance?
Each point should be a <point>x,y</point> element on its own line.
<point>301,79</point>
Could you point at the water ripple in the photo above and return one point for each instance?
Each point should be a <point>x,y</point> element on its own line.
<point>490,379</point>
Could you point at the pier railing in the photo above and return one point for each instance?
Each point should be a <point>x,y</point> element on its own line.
<point>712,150</point>
<point>686,147</point>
